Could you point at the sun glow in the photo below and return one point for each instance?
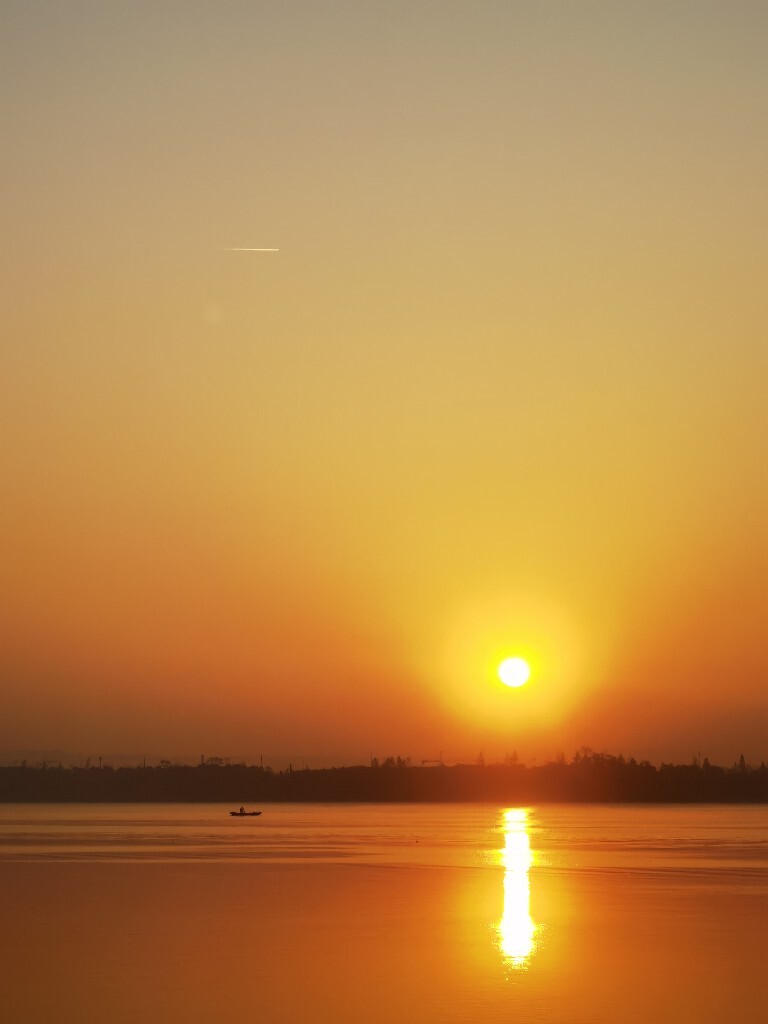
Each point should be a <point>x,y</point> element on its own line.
<point>486,634</point>
<point>514,672</point>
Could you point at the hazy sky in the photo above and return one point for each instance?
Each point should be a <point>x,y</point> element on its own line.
<point>501,391</point>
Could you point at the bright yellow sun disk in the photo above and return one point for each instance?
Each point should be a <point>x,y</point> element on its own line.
<point>514,672</point>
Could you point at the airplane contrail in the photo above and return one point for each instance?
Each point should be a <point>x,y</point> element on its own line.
<point>243,248</point>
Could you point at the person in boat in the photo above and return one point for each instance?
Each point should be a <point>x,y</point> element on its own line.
<point>242,810</point>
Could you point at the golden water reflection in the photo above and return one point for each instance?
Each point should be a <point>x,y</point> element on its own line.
<point>517,930</point>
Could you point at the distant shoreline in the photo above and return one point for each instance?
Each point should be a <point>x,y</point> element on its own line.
<point>588,778</point>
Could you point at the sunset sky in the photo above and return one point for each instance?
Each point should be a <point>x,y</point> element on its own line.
<point>502,391</point>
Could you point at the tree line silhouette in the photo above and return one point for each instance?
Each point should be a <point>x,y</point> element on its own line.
<point>588,778</point>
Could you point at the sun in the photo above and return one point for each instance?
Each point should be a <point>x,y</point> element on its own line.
<point>514,672</point>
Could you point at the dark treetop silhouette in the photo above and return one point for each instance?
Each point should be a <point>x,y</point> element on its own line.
<point>589,777</point>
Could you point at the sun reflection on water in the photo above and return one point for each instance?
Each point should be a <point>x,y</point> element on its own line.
<point>517,931</point>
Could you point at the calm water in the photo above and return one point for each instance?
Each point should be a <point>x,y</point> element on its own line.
<point>159,913</point>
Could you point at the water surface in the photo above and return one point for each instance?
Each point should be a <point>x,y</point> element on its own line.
<point>151,913</point>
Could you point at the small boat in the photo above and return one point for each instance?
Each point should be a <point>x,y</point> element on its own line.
<point>245,814</point>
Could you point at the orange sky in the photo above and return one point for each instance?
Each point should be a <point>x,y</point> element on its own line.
<point>502,389</point>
